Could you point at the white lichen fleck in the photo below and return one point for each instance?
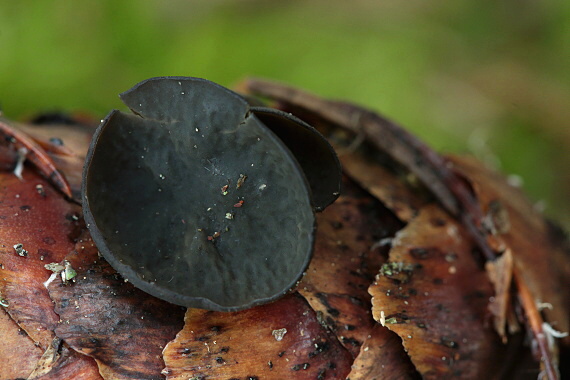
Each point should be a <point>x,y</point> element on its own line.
<point>553,332</point>
<point>19,248</point>
<point>279,334</point>
<point>22,153</point>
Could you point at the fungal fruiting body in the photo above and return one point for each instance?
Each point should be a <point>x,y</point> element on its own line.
<point>196,200</point>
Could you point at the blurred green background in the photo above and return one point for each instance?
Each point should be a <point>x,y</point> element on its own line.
<point>489,78</point>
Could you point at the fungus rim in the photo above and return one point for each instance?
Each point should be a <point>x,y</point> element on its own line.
<point>323,201</point>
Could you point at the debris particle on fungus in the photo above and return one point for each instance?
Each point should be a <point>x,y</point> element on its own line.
<point>392,269</point>
<point>298,367</point>
<point>279,334</point>
<point>68,272</point>
<point>54,267</point>
<point>241,180</point>
<point>19,248</point>
<point>239,204</point>
<point>40,190</point>
<point>65,270</point>
<point>391,321</point>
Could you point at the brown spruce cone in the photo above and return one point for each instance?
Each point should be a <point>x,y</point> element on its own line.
<point>425,267</point>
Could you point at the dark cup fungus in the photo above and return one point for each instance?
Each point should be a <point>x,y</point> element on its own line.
<point>202,201</point>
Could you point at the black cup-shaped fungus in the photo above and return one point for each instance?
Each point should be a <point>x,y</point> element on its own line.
<point>196,201</point>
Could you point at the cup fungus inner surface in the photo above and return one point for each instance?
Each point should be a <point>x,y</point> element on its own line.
<point>194,200</point>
